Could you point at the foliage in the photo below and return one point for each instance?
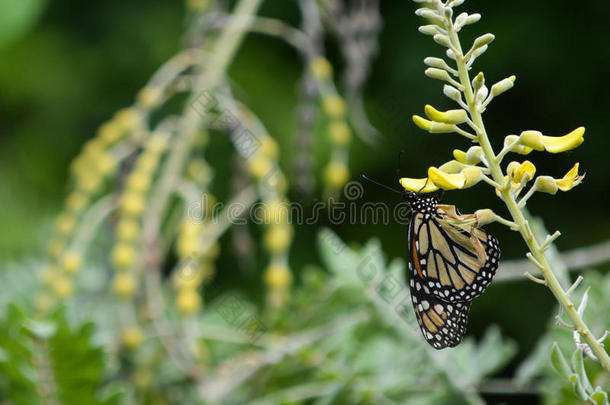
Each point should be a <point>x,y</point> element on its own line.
<point>571,377</point>
<point>151,292</point>
<point>44,361</point>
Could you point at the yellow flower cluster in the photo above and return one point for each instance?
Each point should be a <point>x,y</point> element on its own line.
<point>90,169</point>
<point>195,266</point>
<point>336,173</point>
<point>124,254</point>
<point>263,167</point>
<point>464,172</point>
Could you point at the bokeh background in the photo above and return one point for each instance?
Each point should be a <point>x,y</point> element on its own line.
<point>67,65</point>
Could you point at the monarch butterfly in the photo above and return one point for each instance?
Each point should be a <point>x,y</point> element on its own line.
<point>451,262</point>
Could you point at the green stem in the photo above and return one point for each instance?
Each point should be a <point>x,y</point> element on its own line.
<point>515,211</point>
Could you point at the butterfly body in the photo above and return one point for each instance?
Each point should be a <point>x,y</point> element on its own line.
<point>451,262</point>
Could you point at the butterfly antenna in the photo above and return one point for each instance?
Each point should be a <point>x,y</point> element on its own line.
<point>382,185</point>
<point>425,184</point>
<point>400,155</point>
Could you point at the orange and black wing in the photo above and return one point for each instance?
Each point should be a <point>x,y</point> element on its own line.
<point>455,265</point>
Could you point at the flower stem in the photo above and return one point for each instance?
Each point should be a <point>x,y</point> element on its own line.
<point>517,212</point>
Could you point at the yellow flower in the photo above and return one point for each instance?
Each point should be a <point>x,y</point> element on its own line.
<point>109,132</point>
<point>450,176</point>
<point>189,276</point>
<point>132,337</point>
<point>89,180</point>
<point>63,287</point>
<point>149,97</point>
<point>276,212</point>
<point>259,166</point>
<point>432,126</point>
<point>334,106</point>
<point>277,238</point>
<point>127,230</point>
<point>138,182</point>
<point>72,262</point>
<point>147,163</point>
<point>127,118</point>
<point>570,180</point>
<point>188,245</point>
<point>339,133</point>
<point>65,224</point>
<point>133,203</point>
<point>156,144</point>
<point>124,284</point>
<point>473,175</point>
<point>76,201</point>
<point>521,172</point>
<point>94,147</point>
<point>553,144</point>
<point>105,164</point>
<point>321,68</point>
<point>557,144</point>
<point>336,174</point>
<point>547,184</point>
<point>448,117</point>
<point>418,185</point>
<point>277,276</point>
<point>123,255</point>
<point>446,181</point>
<point>199,170</point>
<point>188,301</point>
<point>268,147</point>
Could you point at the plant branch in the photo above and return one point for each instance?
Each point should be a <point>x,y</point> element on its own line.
<point>537,252</point>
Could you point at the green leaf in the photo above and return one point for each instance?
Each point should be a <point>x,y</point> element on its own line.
<point>559,361</point>
<point>599,396</point>
<point>40,329</point>
<point>578,365</point>
<point>49,353</point>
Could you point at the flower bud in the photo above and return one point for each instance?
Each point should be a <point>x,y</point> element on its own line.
<point>478,82</point>
<point>428,30</point>
<point>453,93</point>
<point>483,40</point>
<point>502,86</point>
<point>442,40</point>
<point>438,74</point>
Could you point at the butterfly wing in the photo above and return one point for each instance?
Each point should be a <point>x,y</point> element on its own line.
<point>442,323</point>
<point>455,265</point>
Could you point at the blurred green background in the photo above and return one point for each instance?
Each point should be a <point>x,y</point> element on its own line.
<point>67,65</point>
